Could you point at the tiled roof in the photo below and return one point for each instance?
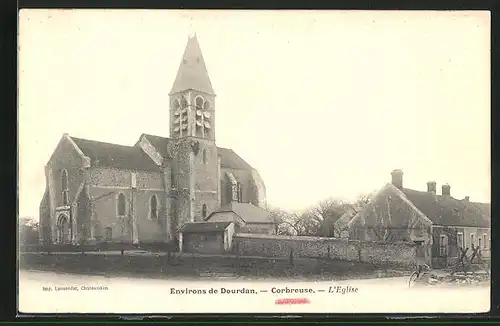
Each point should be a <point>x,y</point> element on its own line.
<point>343,220</point>
<point>229,159</point>
<point>160,143</point>
<point>247,211</point>
<point>192,73</point>
<point>117,156</point>
<point>204,227</point>
<point>449,211</point>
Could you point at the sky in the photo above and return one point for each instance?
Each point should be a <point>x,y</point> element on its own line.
<point>322,103</point>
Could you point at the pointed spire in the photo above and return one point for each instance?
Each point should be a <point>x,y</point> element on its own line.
<point>192,73</point>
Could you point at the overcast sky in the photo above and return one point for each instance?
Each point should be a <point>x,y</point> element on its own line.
<point>321,103</point>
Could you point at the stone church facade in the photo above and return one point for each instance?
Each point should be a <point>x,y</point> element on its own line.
<point>101,192</point>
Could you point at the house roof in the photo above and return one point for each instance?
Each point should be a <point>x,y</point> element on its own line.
<point>192,72</point>
<point>343,220</point>
<point>449,211</point>
<point>117,156</point>
<point>204,227</point>
<point>229,159</point>
<point>248,212</point>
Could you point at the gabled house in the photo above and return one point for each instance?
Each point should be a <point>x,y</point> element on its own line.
<point>438,223</point>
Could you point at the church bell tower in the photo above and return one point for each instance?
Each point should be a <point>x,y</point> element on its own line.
<point>192,97</point>
<point>192,128</point>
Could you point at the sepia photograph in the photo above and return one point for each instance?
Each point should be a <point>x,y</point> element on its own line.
<point>233,161</point>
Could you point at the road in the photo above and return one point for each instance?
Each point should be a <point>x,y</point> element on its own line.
<point>38,292</point>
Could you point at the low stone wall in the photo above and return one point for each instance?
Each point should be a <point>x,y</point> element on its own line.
<point>397,254</point>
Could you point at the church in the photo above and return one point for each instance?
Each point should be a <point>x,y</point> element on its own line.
<point>146,193</point>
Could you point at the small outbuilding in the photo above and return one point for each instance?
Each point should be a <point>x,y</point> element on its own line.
<point>206,237</point>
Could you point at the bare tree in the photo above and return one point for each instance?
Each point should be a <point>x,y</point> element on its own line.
<point>285,222</point>
<point>319,219</point>
<point>323,215</point>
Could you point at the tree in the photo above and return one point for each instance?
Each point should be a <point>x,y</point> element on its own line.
<point>284,221</point>
<point>28,232</point>
<point>361,202</point>
<point>319,219</point>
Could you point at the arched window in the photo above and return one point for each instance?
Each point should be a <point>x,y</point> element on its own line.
<point>206,105</point>
<point>204,211</point>
<point>204,156</point>
<point>239,192</point>
<point>176,104</point>
<point>199,102</point>
<point>64,180</point>
<point>64,187</point>
<point>153,208</point>
<point>121,205</point>
<point>184,102</point>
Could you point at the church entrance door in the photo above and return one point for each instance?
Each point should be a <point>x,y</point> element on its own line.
<point>63,229</point>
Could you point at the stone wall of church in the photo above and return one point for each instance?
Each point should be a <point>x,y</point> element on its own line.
<point>205,198</point>
<point>105,186</point>
<point>65,157</point>
<point>206,180</point>
<point>244,177</point>
<point>151,230</point>
<point>110,177</point>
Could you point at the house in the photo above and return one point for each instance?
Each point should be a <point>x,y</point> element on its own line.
<point>144,193</point>
<point>206,237</point>
<point>247,218</point>
<point>438,223</point>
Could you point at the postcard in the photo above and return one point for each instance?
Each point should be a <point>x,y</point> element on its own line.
<point>202,161</point>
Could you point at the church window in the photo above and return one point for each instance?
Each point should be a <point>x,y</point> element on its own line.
<point>204,211</point>
<point>199,102</point>
<point>64,180</point>
<point>64,187</point>
<point>460,240</point>
<point>176,104</point>
<point>184,103</point>
<point>121,205</point>
<point>240,192</point>
<point>204,156</point>
<point>206,105</point>
<point>153,208</point>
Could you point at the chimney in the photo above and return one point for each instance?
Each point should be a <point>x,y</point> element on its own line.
<point>397,178</point>
<point>445,190</point>
<point>431,186</point>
